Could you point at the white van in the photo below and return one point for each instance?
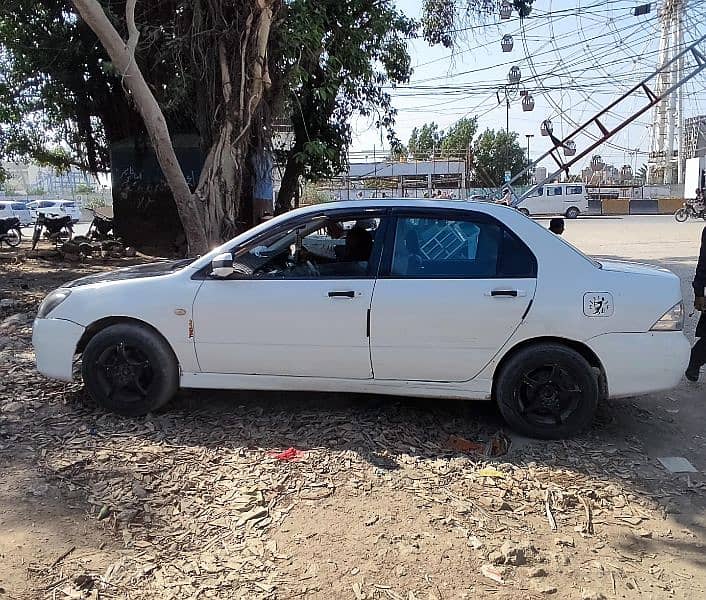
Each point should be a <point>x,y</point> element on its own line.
<point>567,199</point>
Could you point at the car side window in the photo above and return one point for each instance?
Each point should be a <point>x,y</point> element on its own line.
<point>458,248</point>
<point>326,248</point>
<point>18,206</point>
<point>574,189</point>
<point>554,191</point>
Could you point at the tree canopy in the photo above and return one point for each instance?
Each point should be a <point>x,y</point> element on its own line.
<point>445,21</point>
<point>453,142</point>
<point>493,154</point>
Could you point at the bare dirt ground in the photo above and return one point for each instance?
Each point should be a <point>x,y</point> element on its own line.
<point>383,501</point>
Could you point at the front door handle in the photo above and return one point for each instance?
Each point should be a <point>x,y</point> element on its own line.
<point>505,293</point>
<point>346,294</point>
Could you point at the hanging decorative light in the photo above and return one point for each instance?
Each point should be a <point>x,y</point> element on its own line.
<point>546,128</point>
<point>507,43</point>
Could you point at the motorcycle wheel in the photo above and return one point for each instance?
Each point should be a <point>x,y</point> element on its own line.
<point>13,237</point>
<point>681,215</point>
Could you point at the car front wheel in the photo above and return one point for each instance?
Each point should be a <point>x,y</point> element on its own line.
<point>547,391</point>
<point>130,370</point>
<point>573,213</point>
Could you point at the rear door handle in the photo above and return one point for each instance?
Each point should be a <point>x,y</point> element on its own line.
<point>506,293</point>
<point>346,294</point>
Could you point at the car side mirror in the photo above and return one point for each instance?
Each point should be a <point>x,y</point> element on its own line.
<point>222,265</point>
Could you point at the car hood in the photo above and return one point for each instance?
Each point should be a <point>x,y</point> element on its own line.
<point>634,268</point>
<point>155,269</point>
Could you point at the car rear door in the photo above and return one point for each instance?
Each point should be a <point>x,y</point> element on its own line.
<point>453,288</point>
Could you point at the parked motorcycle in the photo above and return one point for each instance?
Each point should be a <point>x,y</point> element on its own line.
<point>10,232</point>
<point>56,228</point>
<point>689,210</point>
<point>101,228</point>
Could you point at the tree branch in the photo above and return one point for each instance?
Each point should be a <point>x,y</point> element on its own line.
<point>133,32</point>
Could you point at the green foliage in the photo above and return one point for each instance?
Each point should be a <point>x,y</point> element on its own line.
<point>493,154</point>
<point>641,174</point>
<point>424,141</point>
<point>335,59</point>
<point>451,143</point>
<point>83,188</point>
<point>459,137</point>
<point>36,191</point>
<point>443,21</point>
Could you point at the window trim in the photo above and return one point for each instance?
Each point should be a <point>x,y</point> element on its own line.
<point>385,270</point>
<point>204,273</point>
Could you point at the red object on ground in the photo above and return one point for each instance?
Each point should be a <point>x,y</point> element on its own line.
<point>288,454</point>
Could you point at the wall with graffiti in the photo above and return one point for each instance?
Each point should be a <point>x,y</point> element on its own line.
<point>145,214</point>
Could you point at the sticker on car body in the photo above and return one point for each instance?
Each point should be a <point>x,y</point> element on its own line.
<point>598,304</point>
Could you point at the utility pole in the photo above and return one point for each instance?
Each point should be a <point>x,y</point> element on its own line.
<point>529,136</point>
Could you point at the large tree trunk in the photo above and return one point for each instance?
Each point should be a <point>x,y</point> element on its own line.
<point>293,172</point>
<point>123,56</point>
<point>215,211</point>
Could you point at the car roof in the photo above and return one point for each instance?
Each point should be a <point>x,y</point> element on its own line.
<point>378,203</point>
<point>12,202</point>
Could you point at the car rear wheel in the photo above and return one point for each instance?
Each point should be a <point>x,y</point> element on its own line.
<point>547,391</point>
<point>129,369</point>
<point>572,213</point>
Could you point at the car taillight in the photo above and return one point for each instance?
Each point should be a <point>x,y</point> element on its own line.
<point>672,320</point>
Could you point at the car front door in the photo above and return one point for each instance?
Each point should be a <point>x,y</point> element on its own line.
<point>299,303</point>
<point>453,288</point>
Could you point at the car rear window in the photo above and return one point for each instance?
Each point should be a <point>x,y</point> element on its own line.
<point>19,206</point>
<point>68,204</point>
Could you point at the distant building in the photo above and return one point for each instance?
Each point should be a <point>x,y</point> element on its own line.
<point>32,180</point>
<point>694,141</point>
<point>540,174</point>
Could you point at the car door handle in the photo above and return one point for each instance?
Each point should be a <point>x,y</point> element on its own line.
<point>346,294</point>
<point>505,293</point>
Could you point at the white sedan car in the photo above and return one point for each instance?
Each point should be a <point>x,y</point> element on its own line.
<point>56,207</point>
<point>406,297</point>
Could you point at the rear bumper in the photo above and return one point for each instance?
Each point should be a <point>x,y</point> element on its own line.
<point>640,363</point>
<point>55,342</point>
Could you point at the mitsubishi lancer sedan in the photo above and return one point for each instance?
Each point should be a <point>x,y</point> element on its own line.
<point>472,301</point>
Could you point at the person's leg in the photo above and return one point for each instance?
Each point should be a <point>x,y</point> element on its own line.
<point>697,360</point>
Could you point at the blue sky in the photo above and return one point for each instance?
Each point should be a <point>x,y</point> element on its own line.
<point>576,56</point>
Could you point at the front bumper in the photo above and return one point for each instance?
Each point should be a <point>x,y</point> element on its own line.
<point>55,342</point>
<point>640,363</point>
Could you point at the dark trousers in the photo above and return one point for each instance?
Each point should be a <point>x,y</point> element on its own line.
<point>698,354</point>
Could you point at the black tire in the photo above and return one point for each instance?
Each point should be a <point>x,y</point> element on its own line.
<point>560,401</point>
<point>130,370</point>
<point>13,238</point>
<point>681,215</point>
<point>573,213</point>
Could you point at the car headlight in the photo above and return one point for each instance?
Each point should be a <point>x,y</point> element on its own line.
<point>52,301</point>
<point>672,320</point>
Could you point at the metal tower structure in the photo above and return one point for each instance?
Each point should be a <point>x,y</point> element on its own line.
<point>665,164</point>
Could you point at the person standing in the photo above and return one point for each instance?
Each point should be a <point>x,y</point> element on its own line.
<point>556,226</point>
<point>698,352</point>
